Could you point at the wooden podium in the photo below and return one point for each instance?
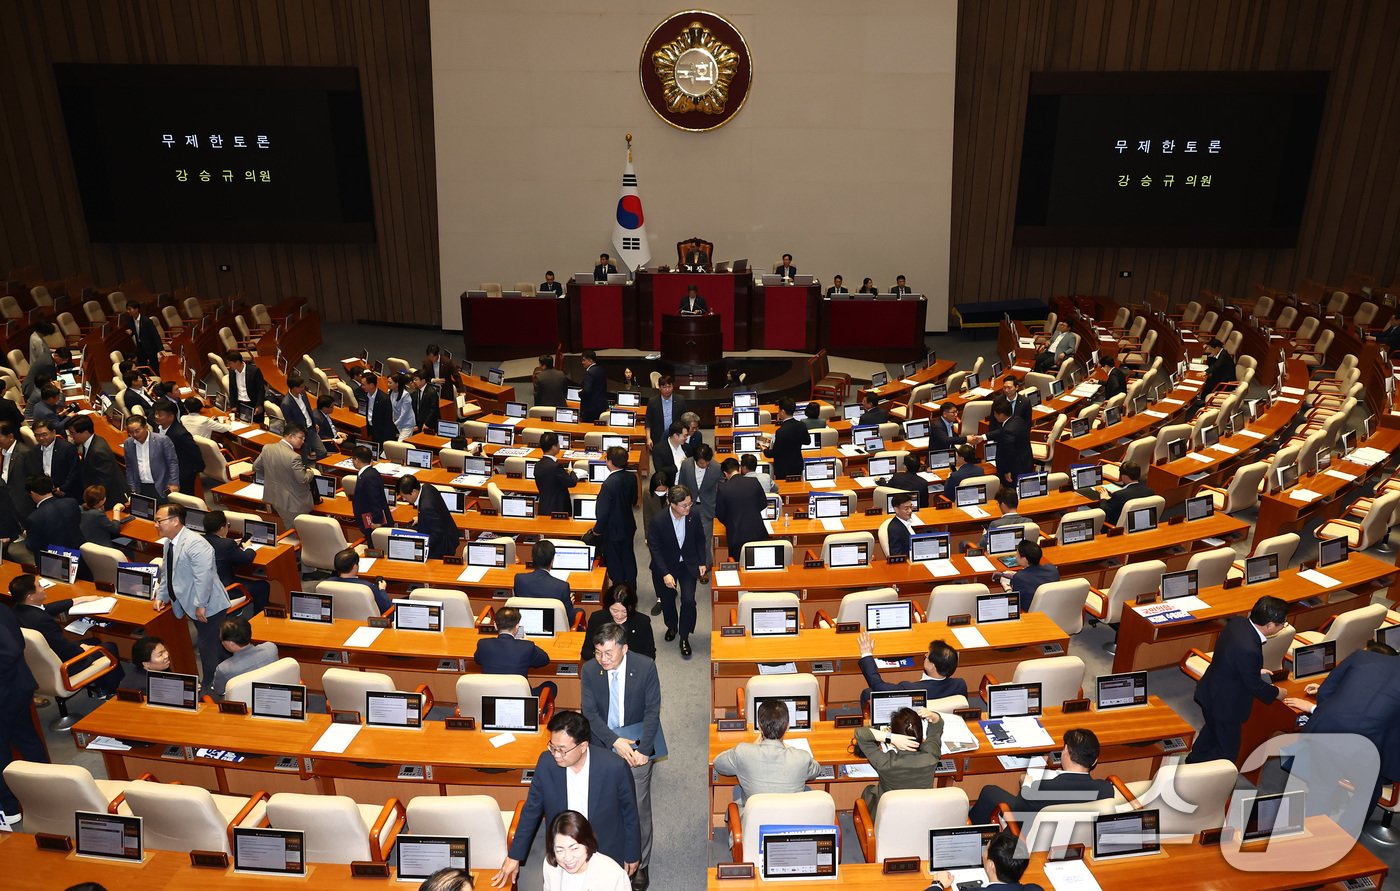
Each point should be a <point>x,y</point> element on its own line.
<point>693,346</point>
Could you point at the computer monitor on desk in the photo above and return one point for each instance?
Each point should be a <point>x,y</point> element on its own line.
<point>1076,531</point>
<point>1314,659</point>
<point>799,710</point>
<point>1331,551</point>
<point>745,442</point>
<point>763,556</point>
<point>1125,690</point>
<point>773,621</point>
<point>575,557</point>
<point>800,853</point>
<point>884,703</point>
<point>745,399</point>
<point>510,713</point>
<point>927,546</point>
<point>1126,835</point>
<point>882,466</point>
<point>1180,584</point>
<point>893,616</point>
<point>1013,700</point>
<point>998,607</point>
<point>848,555</point>
<point>419,856</point>
<point>1263,568</point>
<point>1278,815</point>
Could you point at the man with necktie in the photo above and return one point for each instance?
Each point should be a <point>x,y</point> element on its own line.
<point>143,331</point>
<point>1235,676</point>
<point>786,269</point>
<point>189,582</point>
<point>1062,344</point>
<point>549,285</point>
<point>604,268</point>
<point>900,287</point>
<point>379,414</point>
<point>296,408</point>
<point>692,304</point>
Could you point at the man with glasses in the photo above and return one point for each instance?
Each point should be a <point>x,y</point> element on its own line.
<point>622,702</point>
<point>189,582</point>
<point>572,775</point>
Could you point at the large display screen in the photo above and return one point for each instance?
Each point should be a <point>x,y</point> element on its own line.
<point>1172,159</point>
<point>208,153</point>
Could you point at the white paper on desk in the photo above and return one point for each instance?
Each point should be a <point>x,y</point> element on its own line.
<point>850,450</point>
<point>777,668</point>
<point>1154,414</point>
<point>561,574</point>
<point>957,736</point>
<point>1290,402</point>
<point>978,392</point>
<point>107,744</point>
<point>969,637</point>
<point>981,564</point>
<point>865,482</point>
<point>909,380</point>
<point>49,583</point>
<point>252,491</point>
<point>1014,762</point>
<point>1319,578</point>
<point>467,479</point>
<point>502,739</point>
<point>1025,343</point>
<point>93,607</point>
<point>347,464</point>
<point>822,484</point>
<point>940,568</point>
<point>366,564</point>
<point>1292,391</point>
<point>1041,409</point>
<point>1197,456</point>
<point>1252,434</point>
<point>1173,402</point>
<point>1084,390</point>
<point>1189,385</point>
<point>975,512</point>
<point>1341,475</point>
<point>1367,456</point>
<point>833,524</point>
<point>1027,731</point>
<point>726,578</point>
<point>363,637</point>
<point>860,771</point>
<point>1022,369</point>
<point>254,546</point>
<point>1222,447</point>
<point>1305,495</point>
<point>798,742</point>
<point>511,422</point>
<point>928,476</point>
<point>251,433</point>
<point>79,626</point>
<point>1189,604</point>
<point>337,738</point>
<point>1070,875</point>
<point>472,574</point>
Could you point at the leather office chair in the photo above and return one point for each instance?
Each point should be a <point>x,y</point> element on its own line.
<point>902,822</point>
<point>350,600</point>
<point>780,686</point>
<point>1212,567</point>
<point>561,618</point>
<point>837,538</point>
<point>526,289</point>
<point>852,608</point>
<point>62,680</point>
<point>337,830</point>
<point>1060,677</point>
<point>1043,450</point>
<point>1351,630</point>
<point>1369,528</point>
<point>49,794</point>
<point>456,606</point>
<point>1067,824</point>
<point>1243,491</point>
<point>492,289</point>
<point>1204,787</point>
<point>346,688</point>
<point>10,309</point>
<point>973,414</point>
<point>478,817</point>
<point>775,809</point>
<point>321,539</point>
<point>1145,501</point>
<point>990,481</point>
<point>102,561</point>
<point>1276,646</point>
<point>1128,583</point>
<point>1063,602</point>
<point>471,687</point>
<point>705,247</point>
<point>1094,513</point>
<point>396,451</point>
<point>189,502</point>
<point>452,459</point>
<point>283,671</point>
<point>752,600</point>
<point>217,469</point>
<point>953,600</point>
<point>187,818</point>
<point>784,545</point>
<point>394,365</point>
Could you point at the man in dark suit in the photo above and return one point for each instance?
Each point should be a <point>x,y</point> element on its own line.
<point>604,268</point>
<point>909,480</point>
<point>27,598</point>
<point>593,400</point>
<point>786,446</point>
<point>229,554</point>
<point>1235,676</point>
<point>1029,574</point>
<point>347,569</point>
<point>552,479</point>
<point>1013,441</point>
<point>53,521</point>
<point>701,476</point>
<point>1020,406</point>
<point>296,408</point>
<point>1130,476</point>
<point>900,287</point>
<point>187,455</point>
<point>1004,861</point>
<point>667,452</point>
<point>246,386</point>
<point>379,414</point>
<point>616,524</point>
<point>695,256</point>
<point>143,331</point>
<point>540,582</point>
<point>693,304</point>
<point>739,505</point>
<point>837,287</point>
<point>17,730</point>
<point>871,412</point>
<point>900,526</point>
<point>612,796</point>
<point>549,285</point>
<point>945,431</point>
<point>663,410</point>
<point>632,726</point>
<point>434,519</point>
<point>1073,783</point>
<point>679,557</point>
<point>370,504</point>
<point>1117,380</point>
<point>135,394</point>
<point>939,666</point>
<point>509,653</point>
<point>442,372</point>
<point>965,467</point>
<point>1220,368</point>
<point>551,386</point>
<point>786,269</point>
<point>97,466</point>
<point>427,409</point>
<point>55,458</point>
<point>48,408</point>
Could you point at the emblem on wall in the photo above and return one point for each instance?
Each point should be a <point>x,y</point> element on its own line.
<point>696,70</point>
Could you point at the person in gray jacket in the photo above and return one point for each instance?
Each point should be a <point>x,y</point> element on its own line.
<point>769,765</point>
<point>236,635</point>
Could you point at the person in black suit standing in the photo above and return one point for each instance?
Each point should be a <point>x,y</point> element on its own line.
<point>509,653</point>
<point>667,453</point>
<point>551,386</point>
<point>616,525</point>
<point>17,731</point>
<point>1072,783</point>
<point>679,557</point>
<point>434,520</point>
<point>143,331</point>
<point>54,521</point>
<point>663,410</point>
<point>27,599</point>
<point>55,458</point>
<point>945,431</point>
<point>1235,676</point>
<point>593,400</point>
<point>552,479</point>
<point>786,269</point>
<point>442,372</point>
<point>785,448</point>
<point>379,414</point>
<point>739,505</point>
<point>549,285</point>
<point>1130,476</point>
<point>426,408</point>
<point>296,408</point>
<point>692,304</point>
<point>187,455</point>
<point>370,504</point>
<point>97,466</point>
<point>229,554</point>
<point>604,268</point>
<point>1013,439</point>
<point>540,582</point>
<point>837,287</point>
<point>900,287</point>
<point>1020,405</point>
<point>246,386</point>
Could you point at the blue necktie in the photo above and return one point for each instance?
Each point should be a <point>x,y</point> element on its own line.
<point>614,700</point>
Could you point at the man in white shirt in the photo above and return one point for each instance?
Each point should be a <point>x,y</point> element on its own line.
<point>152,468</point>
<point>1062,342</point>
<point>199,424</point>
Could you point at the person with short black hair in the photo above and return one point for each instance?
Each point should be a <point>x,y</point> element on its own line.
<point>380,425</point>
<point>616,524</point>
<point>148,654</point>
<point>1220,369</point>
<point>296,408</point>
<point>230,553</point>
<point>1030,573</point>
<point>680,556</point>
<point>785,446</point>
<point>144,332</point>
<point>1020,405</point>
<point>448,878</point>
<point>1235,676</point>
<point>1008,501</point>
<point>693,303</point>
<point>29,600</point>
<point>188,458</point>
<point>434,519</point>
<point>768,765</point>
<point>189,584</point>
<point>667,453</point>
<point>1003,863</point>
<point>837,286</point>
<point>945,430</point>
<point>900,286</point>
<point>287,476</point>
<point>812,416</point>
<point>937,681</point>
<point>899,528</point>
<point>1063,343</point>
<point>552,479</point>
<point>1013,439</point>
<point>593,394</point>
<point>1071,783</point>
<point>965,467</point>
<point>152,468</point>
<point>369,502</point>
<point>347,569</point>
<point>54,522</point>
<point>246,387</point>
<point>1130,479</point>
<point>604,268</point>
<point>1117,380</point>
<point>551,386</point>
<point>47,408</point>
<point>702,478</point>
<point>510,653</point>
<point>739,504</point>
<point>908,479</point>
<point>540,582</point>
<point>97,466</point>
<point>663,410</point>
<point>785,268</point>
<point>871,412</point>
<point>619,606</point>
<point>549,285</point>
<point>236,636</point>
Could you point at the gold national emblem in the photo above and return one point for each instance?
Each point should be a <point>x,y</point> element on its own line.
<point>696,69</point>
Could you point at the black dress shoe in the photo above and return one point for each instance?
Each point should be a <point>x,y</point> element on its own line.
<point>685,647</point>
<point>641,881</point>
<point>670,634</point>
<point>656,608</point>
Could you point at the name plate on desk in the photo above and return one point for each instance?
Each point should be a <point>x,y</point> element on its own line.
<point>490,512</point>
<point>461,723</point>
<point>813,564</point>
<point>208,860</point>
<point>849,720</point>
<point>49,841</point>
<point>275,612</point>
<point>233,708</point>
<point>452,561</point>
<point>344,716</point>
<point>893,561</point>
<point>968,714</point>
<point>874,512</point>
<point>901,864</point>
<point>1144,599</point>
<point>724,725</point>
<point>734,871</point>
<point>560,515</point>
<point>1109,531</point>
<point>729,567</point>
<point>567,670</point>
<point>127,695</point>
<point>732,631</point>
<point>1070,706</point>
<point>368,869</point>
<point>380,622</point>
<point>847,627</point>
<point>959,619</point>
<point>1232,583</point>
<point>1065,854</point>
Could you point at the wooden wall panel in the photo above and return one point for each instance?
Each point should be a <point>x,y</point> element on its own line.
<point>394,279</point>
<point>1352,218</point>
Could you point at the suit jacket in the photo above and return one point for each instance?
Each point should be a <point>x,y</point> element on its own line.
<point>550,288</point>
<point>616,498</point>
<point>940,439</point>
<point>131,399</point>
<point>1362,696</point>
<point>148,343</point>
<point>901,289</point>
<point>1063,788</point>
<point>786,450</point>
<point>380,423</point>
<point>656,418</point>
<point>835,290</point>
<point>41,619</point>
<point>1013,447</point>
<point>898,535</point>
<point>45,412</point>
<point>739,505</point>
<point>601,272</point>
<point>1113,508</point>
<point>1027,581</point>
<point>899,770</point>
<point>165,466</point>
<point>876,415</point>
<point>97,466</point>
<point>189,572</point>
<point>612,804</point>
<point>435,521</point>
<point>593,400</point>
<point>698,306</point>
<point>370,500</point>
<point>292,410</point>
<point>1116,382</point>
<point>696,258</point>
<point>428,411</point>
<point>663,459</point>
<point>551,388</point>
<point>553,481</point>
<point>641,704</point>
<point>703,493</point>
<point>787,271</point>
<point>245,660</point>
<point>257,387</point>
<point>1232,678</point>
<point>286,481</point>
<point>98,528</point>
<point>1061,345</point>
<point>504,654</point>
<point>933,689</point>
<point>1220,370</point>
<point>228,554</point>
<point>1020,408</point>
<point>539,583</point>
<point>910,482</point>
<point>670,557</point>
<point>187,455</point>
<point>63,467</point>
<point>639,635</point>
<point>767,766</point>
<point>56,521</point>
<point>16,680</point>
<point>958,475</point>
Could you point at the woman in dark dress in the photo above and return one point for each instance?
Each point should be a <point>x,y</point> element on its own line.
<point>620,606</point>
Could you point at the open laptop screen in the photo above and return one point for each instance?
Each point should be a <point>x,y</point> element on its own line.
<point>417,615</point>
<point>773,621</point>
<point>889,616</point>
<point>1121,690</point>
<point>393,709</point>
<point>1180,584</point>
<point>1076,531</point>
<point>848,554</point>
<point>1013,700</point>
<point>1331,551</point>
<point>1033,485</point>
<point>136,579</point>
<point>1199,508</point>
<point>307,607</point>
<point>998,607</point>
<point>1126,835</point>
<point>269,851</point>
<point>112,836</point>
<point>168,689</point>
<point>284,701</point>
<point>576,558</point>
<point>1263,568</point>
<point>537,621</point>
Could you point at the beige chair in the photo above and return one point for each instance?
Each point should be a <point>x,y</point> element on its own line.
<point>989,482</point>
<point>1166,436</point>
<point>321,539</point>
<point>1276,646</point>
<point>471,687</point>
<point>1350,630</point>
<point>189,502</point>
<point>1129,582</point>
<point>393,365</point>
<point>61,680</point>
<point>778,686</point>
<point>396,451</point>
<point>1067,824</point>
<point>350,600</point>
<point>492,289</point>
<point>10,308</point>
<point>953,600</point>
<point>283,671</point>
<point>772,809</point>
<point>1063,602</point>
<point>853,605</point>
<point>188,818</point>
<point>1060,677</point>
<point>1212,567</point>
<point>561,618</point>
<point>1094,513</point>
<point>784,545</point>
<point>902,823</point>
<point>216,465</point>
<point>1366,530</point>
<point>752,600</point>
<point>478,817</point>
<point>1203,788</point>
<point>337,830</point>
<point>49,794</point>
<point>1285,546</point>
<point>452,459</point>
<point>838,538</point>
<point>346,688</point>
<point>1140,452</point>
<point>1043,450</point>
<point>973,414</point>
<point>171,317</point>
<point>456,606</point>
<point>1145,501</point>
<point>1243,491</point>
<point>102,561</point>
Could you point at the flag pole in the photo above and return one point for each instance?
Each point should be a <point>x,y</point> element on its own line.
<point>629,148</point>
